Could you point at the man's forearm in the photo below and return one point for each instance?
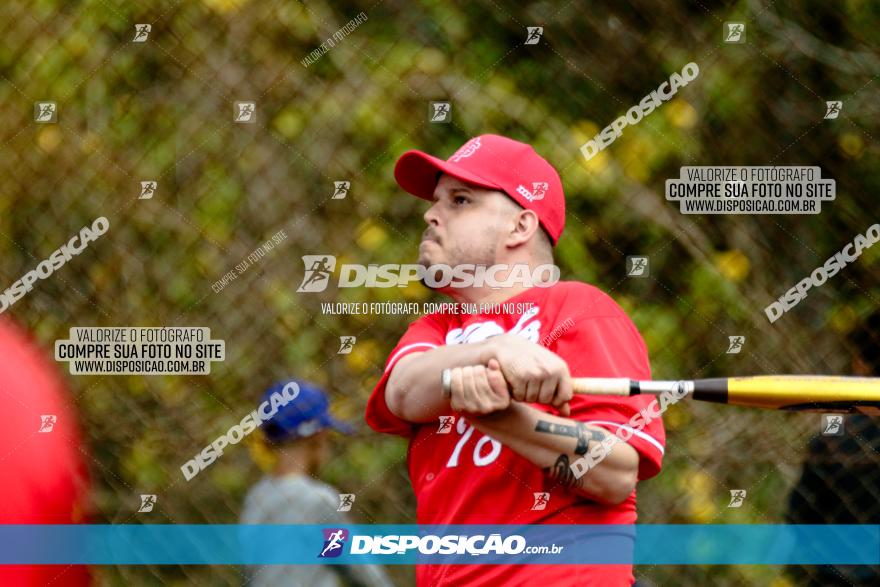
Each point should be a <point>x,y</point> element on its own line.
<point>413,391</point>
<point>553,443</point>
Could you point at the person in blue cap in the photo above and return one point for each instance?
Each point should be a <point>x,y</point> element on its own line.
<point>298,436</point>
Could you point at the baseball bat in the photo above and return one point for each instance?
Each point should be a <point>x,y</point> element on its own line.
<point>820,393</point>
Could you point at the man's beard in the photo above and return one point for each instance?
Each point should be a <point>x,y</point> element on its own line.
<point>455,258</point>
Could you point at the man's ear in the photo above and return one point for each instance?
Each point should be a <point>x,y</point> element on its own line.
<point>525,225</point>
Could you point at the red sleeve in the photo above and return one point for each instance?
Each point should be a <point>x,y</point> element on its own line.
<point>611,346</point>
<point>426,333</point>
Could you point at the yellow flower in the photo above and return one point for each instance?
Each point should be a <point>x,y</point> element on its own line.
<point>371,236</point>
<point>701,510</point>
<point>77,43</point>
<point>680,113</point>
<point>224,6</point>
<point>260,452</point>
<point>844,319</point>
<point>598,163</point>
<point>698,486</point>
<point>585,130</point>
<point>49,138</point>
<point>634,156</point>
<point>288,123</point>
<point>676,418</point>
<point>851,144</point>
<point>734,265</point>
<point>431,61</point>
<point>364,356</point>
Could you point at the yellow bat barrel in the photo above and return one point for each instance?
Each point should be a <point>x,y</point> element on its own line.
<point>792,392</point>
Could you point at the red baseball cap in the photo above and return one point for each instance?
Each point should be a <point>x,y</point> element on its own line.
<point>492,162</point>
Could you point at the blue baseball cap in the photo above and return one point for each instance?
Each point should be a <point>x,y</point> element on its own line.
<point>303,416</point>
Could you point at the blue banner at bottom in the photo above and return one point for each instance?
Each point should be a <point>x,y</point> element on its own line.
<point>654,544</point>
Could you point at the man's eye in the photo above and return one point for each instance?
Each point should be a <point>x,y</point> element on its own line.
<point>460,199</point>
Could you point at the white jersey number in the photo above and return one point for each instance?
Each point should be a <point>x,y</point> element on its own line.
<point>480,460</point>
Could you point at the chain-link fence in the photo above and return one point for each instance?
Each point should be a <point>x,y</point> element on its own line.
<point>164,109</point>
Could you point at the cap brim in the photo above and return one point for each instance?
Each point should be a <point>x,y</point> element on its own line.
<point>416,172</point>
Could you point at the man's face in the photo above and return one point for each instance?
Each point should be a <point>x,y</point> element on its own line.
<point>466,224</point>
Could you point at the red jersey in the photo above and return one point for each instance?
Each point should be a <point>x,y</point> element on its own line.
<point>462,476</point>
<point>43,477</point>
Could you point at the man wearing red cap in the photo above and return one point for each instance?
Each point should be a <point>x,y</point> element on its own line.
<point>499,449</point>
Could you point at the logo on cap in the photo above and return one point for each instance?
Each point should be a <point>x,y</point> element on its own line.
<point>466,150</point>
<point>539,189</point>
